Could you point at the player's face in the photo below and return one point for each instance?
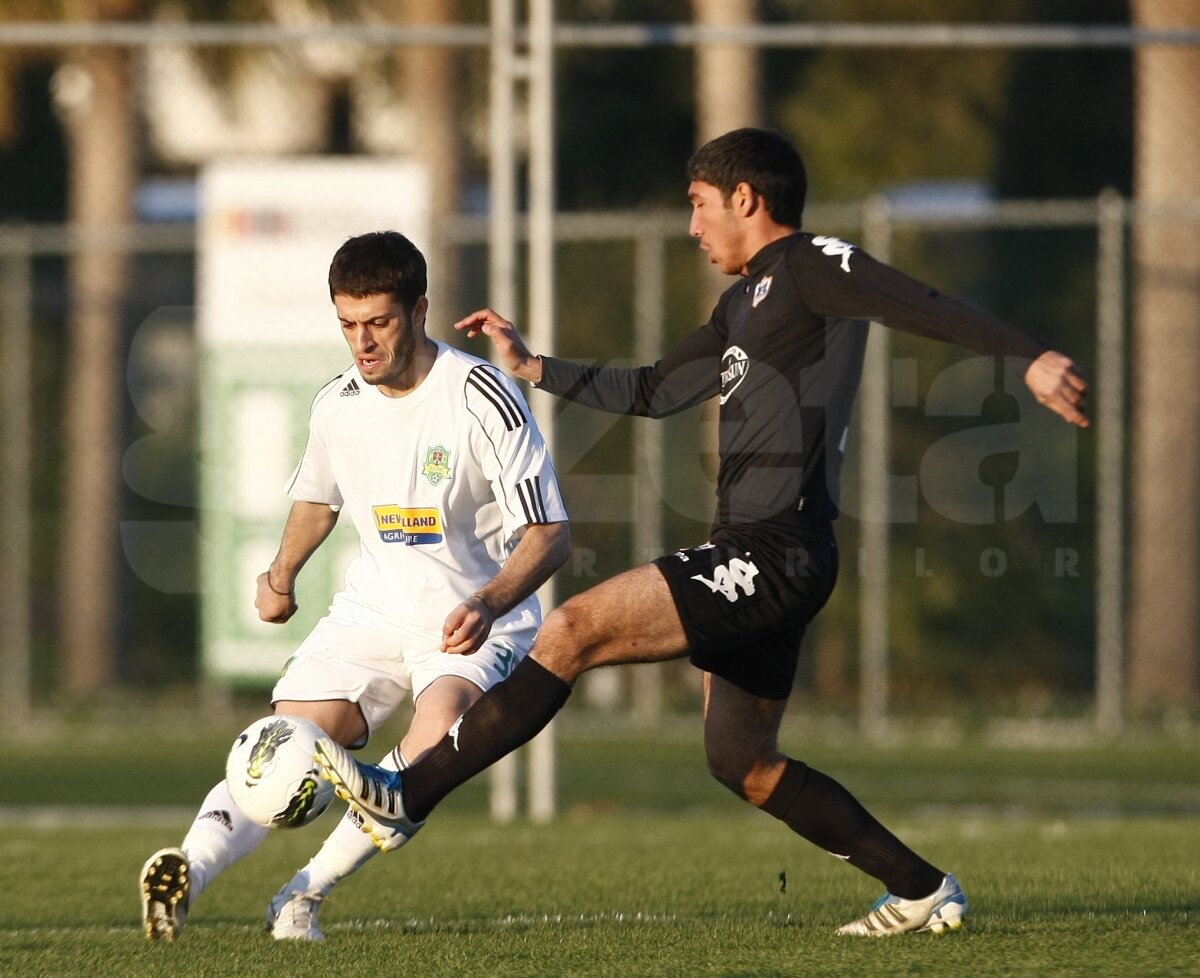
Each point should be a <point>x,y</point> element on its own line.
<point>716,224</point>
<point>384,339</point>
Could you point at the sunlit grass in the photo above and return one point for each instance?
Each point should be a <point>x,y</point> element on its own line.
<point>1076,860</point>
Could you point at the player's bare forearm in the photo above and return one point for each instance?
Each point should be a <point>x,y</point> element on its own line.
<point>1057,383</point>
<point>511,350</point>
<point>307,526</point>
<point>542,549</point>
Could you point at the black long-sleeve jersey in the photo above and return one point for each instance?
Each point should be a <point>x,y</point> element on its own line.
<point>784,352</point>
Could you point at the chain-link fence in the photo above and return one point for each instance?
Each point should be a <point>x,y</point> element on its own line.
<point>990,556</point>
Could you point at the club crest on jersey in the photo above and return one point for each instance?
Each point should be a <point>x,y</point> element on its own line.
<point>413,527</point>
<point>437,464</point>
<point>834,247</point>
<point>761,290</point>
<point>734,367</point>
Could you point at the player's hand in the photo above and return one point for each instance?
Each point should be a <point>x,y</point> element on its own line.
<point>467,626</point>
<point>511,350</point>
<point>1059,386</point>
<point>271,604</point>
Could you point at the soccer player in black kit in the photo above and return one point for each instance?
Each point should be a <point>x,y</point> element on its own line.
<point>783,351</point>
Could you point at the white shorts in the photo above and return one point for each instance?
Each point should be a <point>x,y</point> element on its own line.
<point>356,655</point>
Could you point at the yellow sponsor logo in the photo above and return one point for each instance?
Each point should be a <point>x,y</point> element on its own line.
<point>414,527</point>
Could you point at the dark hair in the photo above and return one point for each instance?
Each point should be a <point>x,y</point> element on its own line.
<point>381,262</point>
<point>763,158</point>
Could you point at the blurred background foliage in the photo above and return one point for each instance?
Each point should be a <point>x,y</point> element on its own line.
<point>1010,123</point>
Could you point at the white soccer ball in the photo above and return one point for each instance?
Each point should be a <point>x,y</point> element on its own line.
<point>272,775</point>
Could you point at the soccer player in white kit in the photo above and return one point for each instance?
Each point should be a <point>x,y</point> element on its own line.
<point>437,459</point>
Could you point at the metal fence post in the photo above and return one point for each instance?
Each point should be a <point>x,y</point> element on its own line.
<point>649,276</point>
<point>502,269</point>
<point>1111,216</point>
<point>874,618</point>
<point>543,790</point>
<point>16,654</point>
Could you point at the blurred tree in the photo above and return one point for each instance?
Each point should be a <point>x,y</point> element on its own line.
<point>1067,123</point>
<point>1030,123</point>
<point>317,97</point>
<point>625,118</point>
<point>94,92</point>
<point>32,154</point>
<point>867,118</point>
<point>1164,640</point>
<point>1022,123</point>
<point>1066,131</point>
<point>728,76</point>
<point>430,86</point>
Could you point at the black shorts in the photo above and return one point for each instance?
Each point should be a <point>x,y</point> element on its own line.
<point>746,598</point>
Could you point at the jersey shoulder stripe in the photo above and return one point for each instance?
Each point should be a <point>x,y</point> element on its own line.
<point>318,398</point>
<point>340,385</point>
<point>483,380</point>
<point>529,491</point>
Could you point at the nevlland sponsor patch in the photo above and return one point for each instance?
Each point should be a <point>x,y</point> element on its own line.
<point>411,526</point>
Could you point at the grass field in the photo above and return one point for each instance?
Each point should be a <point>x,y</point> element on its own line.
<point>1077,861</point>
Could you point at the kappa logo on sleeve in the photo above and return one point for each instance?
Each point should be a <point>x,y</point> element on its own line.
<point>834,247</point>
<point>410,526</point>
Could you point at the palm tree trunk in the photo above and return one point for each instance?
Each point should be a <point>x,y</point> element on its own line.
<point>431,87</point>
<point>95,95</point>
<point>1164,641</point>
<point>728,76</point>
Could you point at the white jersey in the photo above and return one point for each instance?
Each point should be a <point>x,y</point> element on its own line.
<point>436,482</point>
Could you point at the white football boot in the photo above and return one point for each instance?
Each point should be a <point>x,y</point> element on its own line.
<point>165,886</point>
<point>292,915</point>
<point>941,911</point>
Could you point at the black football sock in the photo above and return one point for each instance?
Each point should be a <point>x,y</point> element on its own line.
<point>820,810</point>
<point>508,715</point>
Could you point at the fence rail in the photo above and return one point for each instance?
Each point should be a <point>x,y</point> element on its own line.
<point>650,232</point>
<point>585,35</point>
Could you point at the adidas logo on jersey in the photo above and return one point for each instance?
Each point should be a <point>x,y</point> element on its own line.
<point>350,389</point>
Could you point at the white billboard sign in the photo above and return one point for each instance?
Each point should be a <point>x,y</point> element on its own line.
<point>269,340</point>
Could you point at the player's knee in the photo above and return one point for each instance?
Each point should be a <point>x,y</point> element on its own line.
<point>751,778</point>
<point>727,769</point>
<point>569,642</point>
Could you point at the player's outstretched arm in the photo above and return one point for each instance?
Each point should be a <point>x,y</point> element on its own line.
<point>542,549</point>
<point>307,526</point>
<point>1058,385</point>
<point>511,350</point>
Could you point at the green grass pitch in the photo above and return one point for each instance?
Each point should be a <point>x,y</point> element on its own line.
<point>1077,861</point>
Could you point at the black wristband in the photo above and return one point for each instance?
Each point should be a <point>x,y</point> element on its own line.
<point>282,594</point>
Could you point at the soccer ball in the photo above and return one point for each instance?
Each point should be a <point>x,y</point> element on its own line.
<point>272,775</point>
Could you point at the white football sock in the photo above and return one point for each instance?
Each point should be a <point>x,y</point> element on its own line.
<point>346,850</point>
<point>220,835</point>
